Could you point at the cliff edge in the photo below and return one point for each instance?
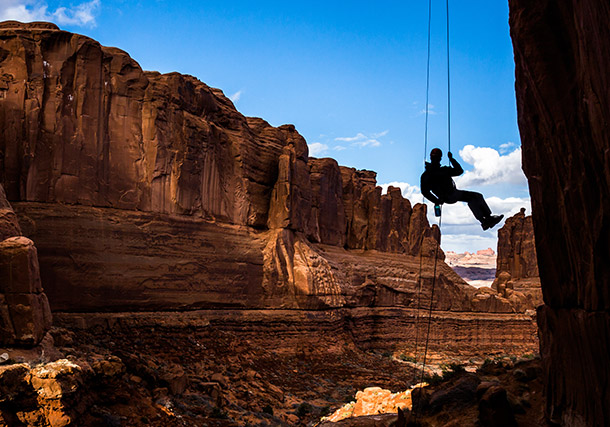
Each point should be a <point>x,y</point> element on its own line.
<point>562,62</point>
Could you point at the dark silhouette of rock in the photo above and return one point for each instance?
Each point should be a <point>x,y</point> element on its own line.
<point>562,62</point>
<point>494,408</point>
<point>458,395</point>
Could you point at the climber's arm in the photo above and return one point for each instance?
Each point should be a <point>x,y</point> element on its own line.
<point>456,170</point>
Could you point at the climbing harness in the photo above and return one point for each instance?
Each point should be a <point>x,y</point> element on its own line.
<point>421,243</point>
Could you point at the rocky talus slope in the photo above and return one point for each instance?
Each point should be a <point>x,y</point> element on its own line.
<point>155,205</point>
<point>563,100</point>
<point>517,265</point>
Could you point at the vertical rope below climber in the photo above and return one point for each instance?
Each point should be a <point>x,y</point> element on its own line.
<point>431,305</point>
<point>423,367</point>
<point>427,109</point>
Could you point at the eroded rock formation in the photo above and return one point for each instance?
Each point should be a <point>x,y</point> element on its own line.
<point>159,211</point>
<point>84,126</point>
<point>147,192</point>
<point>517,266</point>
<point>24,308</point>
<point>562,62</point>
<point>516,247</point>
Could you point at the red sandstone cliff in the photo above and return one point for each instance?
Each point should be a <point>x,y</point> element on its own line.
<point>563,100</point>
<point>174,190</point>
<point>163,215</point>
<point>146,192</point>
<point>517,265</point>
<point>516,247</point>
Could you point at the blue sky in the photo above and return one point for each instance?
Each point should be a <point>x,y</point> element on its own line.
<point>350,77</point>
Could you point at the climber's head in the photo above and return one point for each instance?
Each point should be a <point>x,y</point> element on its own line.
<point>436,155</point>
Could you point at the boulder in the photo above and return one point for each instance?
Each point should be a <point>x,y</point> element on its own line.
<point>495,409</point>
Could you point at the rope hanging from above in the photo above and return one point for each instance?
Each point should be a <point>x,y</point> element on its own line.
<point>440,216</point>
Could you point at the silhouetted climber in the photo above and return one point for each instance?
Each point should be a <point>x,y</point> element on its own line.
<point>438,187</point>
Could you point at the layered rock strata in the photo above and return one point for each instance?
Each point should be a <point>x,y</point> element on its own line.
<point>24,308</point>
<point>178,167</point>
<point>562,62</point>
<point>147,192</point>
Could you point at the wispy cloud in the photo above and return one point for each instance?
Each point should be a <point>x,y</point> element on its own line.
<point>490,167</point>
<point>236,96</point>
<point>431,110</point>
<point>317,148</point>
<point>363,140</point>
<point>81,15</point>
<point>506,147</point>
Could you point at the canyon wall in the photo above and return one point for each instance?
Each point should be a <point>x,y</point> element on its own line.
<point>563,100</point>
<point>153,191</point>
<point>149,193</point>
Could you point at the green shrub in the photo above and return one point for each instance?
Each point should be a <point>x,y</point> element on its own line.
<point>407,358</point>
<point>434,379</point>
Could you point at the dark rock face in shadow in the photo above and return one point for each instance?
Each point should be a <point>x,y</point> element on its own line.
<point>563,98</point>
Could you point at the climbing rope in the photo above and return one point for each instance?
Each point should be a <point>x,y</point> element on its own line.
<point>419,282</point>
<point>448,85</point>
<point>427,81</point>
<point>425,355</point>
<point>423,367</point>
<point>421,240</point>
<point>431,303</point>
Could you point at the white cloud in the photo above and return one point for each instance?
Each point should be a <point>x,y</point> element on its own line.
<point>317,148</point>
<point>431,111</point>
<point>460,229</point>
<point>82,15</point>
<point>411,192</point>
<point>380,134</point>
<point>506,147</point>
<point>339,148</point>
<point>351,138</point>
<point>491,168</point>
<point>235,97</point>
<point>362,140</point>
